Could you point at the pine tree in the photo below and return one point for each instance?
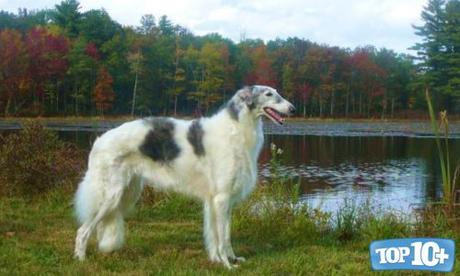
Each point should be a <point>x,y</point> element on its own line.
<point>439,51</point>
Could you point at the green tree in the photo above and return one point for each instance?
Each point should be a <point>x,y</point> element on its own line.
<point>209,74</point>
<point>96,26</point>
<point>439,51</point>
<point>82,76</point>
<point>67,16</point>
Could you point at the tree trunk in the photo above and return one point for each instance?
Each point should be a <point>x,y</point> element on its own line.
<point>175,105</point>
<point>57,97</point>
<point>353,102</point>
<point>361,103</point>
<point>369,104</point>
<point>320,105</point>
<point>133,105</point>
<point>392,106</point>
<point>8,105</point>
<point>76,102</point>
<point>332,103</point>
<point>304,108</point>
<point>311,108</point>
<point>384,104</point>
<point>347,99</point>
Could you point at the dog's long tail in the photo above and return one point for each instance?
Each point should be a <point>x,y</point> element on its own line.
<point>88,200</point>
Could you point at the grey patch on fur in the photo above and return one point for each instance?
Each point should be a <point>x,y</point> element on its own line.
<point>255,98</point>
<point>159,142</point>
<point>253,101</point>
<point>252,105</point>
<point>249,95</point>
<point>278,99</point>
<point>233,110</point>
<point>195,137</point>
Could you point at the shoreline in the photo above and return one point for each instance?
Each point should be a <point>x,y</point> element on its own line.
<point>292,126</point>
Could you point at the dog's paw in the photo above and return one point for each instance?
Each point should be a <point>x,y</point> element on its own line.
<point>236,260</point>
<point>79,256</point>
<point>229,265</point>
<point>239,260</point>
<point>214,259</point>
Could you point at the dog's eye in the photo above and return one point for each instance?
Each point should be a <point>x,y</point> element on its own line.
<point>269,94</point>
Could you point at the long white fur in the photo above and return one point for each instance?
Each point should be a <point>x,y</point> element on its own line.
<point>225,175</point>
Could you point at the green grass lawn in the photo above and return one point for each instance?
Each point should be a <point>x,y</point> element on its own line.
<point>37,237</point>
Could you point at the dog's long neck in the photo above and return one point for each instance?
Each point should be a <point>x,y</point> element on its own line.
<point>241,122</point>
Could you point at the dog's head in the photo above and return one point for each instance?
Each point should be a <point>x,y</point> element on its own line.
<point>262,100</point>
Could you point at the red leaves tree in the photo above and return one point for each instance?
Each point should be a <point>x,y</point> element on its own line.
<point>304,92</point>
<point>103,94</point>
<point>262,72</point>
<point>367,78</point>
<point>91,50</point>
<point>14,80</point>
<point>47,64</point>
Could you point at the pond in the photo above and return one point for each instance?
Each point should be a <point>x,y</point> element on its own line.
<point>389,165</point>
<point>398,173</point>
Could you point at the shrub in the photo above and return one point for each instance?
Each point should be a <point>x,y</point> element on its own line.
<point>274,213</point>
<point>34,160</point>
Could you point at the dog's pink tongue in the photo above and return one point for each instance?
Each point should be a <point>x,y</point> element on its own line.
<point>275,115</point>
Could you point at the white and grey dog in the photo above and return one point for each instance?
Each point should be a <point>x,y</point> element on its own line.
<point>213,159</point>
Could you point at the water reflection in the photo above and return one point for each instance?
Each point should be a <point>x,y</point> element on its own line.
<point>399,173</point>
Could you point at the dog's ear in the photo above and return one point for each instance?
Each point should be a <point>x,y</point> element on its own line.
<point>246,95</point>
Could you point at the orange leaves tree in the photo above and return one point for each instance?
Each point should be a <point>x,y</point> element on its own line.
<point>103,94</point>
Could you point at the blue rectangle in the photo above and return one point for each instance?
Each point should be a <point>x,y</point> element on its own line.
<point>431,254</point>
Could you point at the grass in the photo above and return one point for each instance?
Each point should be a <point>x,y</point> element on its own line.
<point>164,237</point>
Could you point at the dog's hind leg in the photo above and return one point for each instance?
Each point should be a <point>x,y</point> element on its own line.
<point>113,194</point>
<point>110,232</point>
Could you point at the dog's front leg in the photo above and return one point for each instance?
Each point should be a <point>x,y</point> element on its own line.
<point>228,240</point>
<point>222,214</point>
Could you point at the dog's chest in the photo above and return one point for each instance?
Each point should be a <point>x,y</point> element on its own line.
<point>247,171</point>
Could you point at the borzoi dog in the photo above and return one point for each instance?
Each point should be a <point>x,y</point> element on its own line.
<point>213,159</point>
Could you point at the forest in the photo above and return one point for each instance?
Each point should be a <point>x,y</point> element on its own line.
<point>65,62</point>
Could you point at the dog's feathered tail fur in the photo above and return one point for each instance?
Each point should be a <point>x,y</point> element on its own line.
<point>86,200</point>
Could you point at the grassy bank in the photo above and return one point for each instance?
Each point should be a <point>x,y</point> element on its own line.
<point>37,237</point>
<point>164,234</point>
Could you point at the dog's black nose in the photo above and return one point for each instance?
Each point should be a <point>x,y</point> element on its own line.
<point>291,109</point>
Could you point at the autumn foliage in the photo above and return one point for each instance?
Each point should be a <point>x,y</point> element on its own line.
<point>67,62</point>
<point>103,94</point>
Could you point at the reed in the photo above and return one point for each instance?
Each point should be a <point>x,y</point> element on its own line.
<point>441,132</point>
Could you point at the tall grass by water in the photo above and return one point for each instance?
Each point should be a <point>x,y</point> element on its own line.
<point>441,132</point>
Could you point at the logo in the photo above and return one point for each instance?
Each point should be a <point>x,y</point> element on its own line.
<point>414,254</point>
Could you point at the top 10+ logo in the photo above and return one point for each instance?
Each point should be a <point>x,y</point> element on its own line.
<point>415,254</point>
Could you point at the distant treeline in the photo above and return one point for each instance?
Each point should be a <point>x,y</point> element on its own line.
<point>66,62</point>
